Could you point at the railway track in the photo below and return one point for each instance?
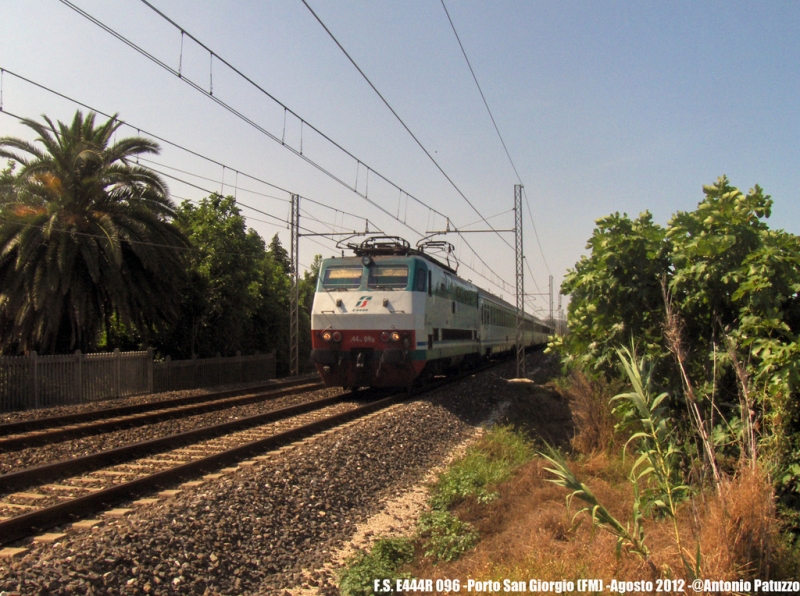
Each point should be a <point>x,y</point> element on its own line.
<point>43,431</point>
<point>106,478</point>
<point>145,468</point>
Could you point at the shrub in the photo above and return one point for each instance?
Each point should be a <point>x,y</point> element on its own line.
<point>488,463</point>
<point>382,562</point>
<point>446,537</point>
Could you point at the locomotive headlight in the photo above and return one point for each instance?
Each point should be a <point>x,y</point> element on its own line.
<point>384,336</point>
<point>337,336</point>
<point>395,336</point>
<point>327,336</point>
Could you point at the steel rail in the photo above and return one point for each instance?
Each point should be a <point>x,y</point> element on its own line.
<point>155,415</point>
<point>94,461</point>
<point>24,525</point>
<point>20,426</point>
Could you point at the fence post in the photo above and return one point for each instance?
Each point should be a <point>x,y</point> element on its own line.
<point>195,372</point>
<point>117,373</point>
<point>219,369</point>
<point>149,370</point>
<point>239,366</point>
<point>168,373</point>
<point>78,398</point>
<point>35,377</point>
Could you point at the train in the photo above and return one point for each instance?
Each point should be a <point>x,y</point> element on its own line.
<point>392,315</point>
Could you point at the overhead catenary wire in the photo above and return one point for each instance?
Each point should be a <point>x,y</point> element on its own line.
<point>221,103</point>
<point>399,119</point>
<point>283,222</point>
<point>303,123</point>
<point>493,279</point>
<point>207,179</point>
<point>503,284</point>
<point>500,136</point>
<point>140,131</point>
<point>245,205</point>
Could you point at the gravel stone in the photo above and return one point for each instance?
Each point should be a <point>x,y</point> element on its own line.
<point>254,531</point>
<point>35,456</point>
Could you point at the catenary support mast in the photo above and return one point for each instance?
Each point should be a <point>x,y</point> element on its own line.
<point>294,300</point>
<point>520,280</point>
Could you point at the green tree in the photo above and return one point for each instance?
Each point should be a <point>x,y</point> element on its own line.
<point>280,254</point>
<point>86,238</point>
<point>733,287</point>
<point>709,248</point>
<point>616,293</point>
<point>236,292</point>
<point>224,284</point>
<point>308,286</point>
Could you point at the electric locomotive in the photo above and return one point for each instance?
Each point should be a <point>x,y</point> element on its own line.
<point>392,313</point>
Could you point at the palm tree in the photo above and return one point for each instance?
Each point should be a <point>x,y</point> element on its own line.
<point>86,238</point>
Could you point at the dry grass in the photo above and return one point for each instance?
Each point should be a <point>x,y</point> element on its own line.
<point>589,402</point>
<point>528,533</point>
<point>740,535</point>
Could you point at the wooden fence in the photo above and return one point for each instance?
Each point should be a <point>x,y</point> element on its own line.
<point>35,381</point>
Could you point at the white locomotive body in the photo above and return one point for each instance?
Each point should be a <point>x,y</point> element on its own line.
<point>392,313</point>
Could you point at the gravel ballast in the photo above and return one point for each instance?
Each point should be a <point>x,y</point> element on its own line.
<point>36,456</point>
<point>254,530</point>
<point>150,398</point>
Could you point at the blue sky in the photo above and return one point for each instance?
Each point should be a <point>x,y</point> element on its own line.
<point>604,106</point>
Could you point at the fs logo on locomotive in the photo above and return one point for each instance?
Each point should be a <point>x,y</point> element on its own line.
<point>363,302</point>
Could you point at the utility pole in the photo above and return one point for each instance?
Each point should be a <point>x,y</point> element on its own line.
<point>520,281</point>
<point>551,298</point>
<point>294,300</point>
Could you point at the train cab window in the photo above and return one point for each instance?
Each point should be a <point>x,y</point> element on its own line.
<point>342,278</point>
<point>388,277</point>
<point>421,277</point>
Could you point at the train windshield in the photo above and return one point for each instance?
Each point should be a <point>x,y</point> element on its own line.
<point>342,278</point>
<point>388,277</point>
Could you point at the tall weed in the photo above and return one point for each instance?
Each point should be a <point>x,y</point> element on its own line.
<point>589,402</point>
<point>630,537</point>
<point>657,467</point>
<point>741,533</point>
<point>654,476</point>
